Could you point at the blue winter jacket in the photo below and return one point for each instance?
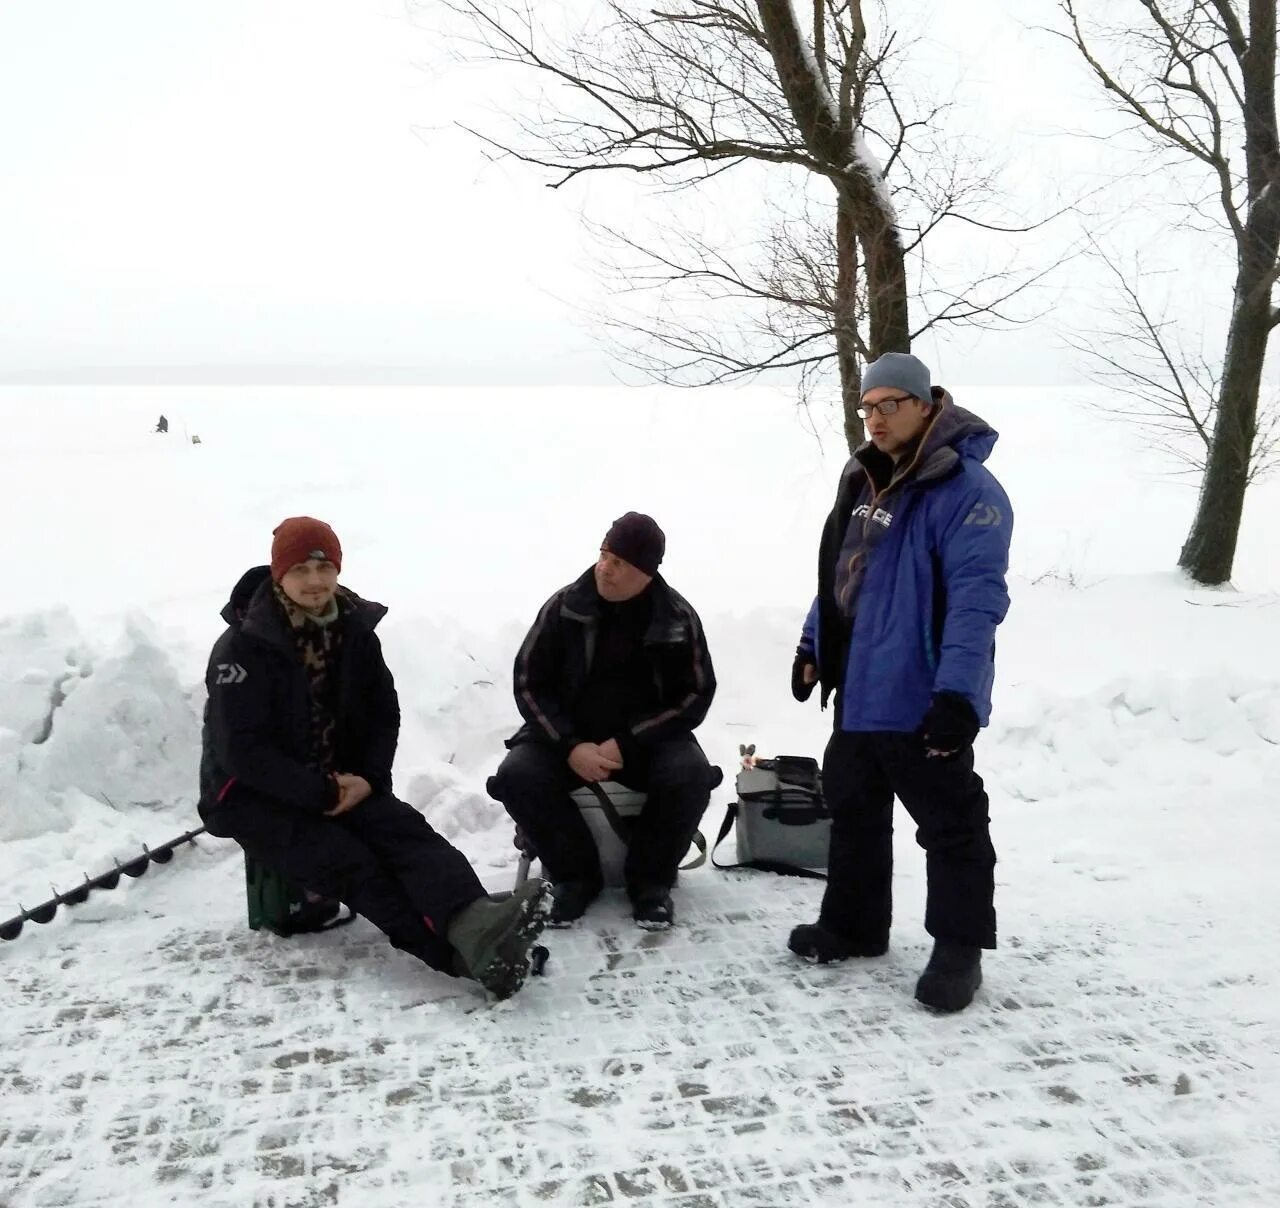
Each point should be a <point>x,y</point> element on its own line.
<point>933,590</point>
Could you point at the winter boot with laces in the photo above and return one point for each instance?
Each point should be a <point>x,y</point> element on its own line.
<point>493,938</point>
<point>823,947</point>
<point>952,976</point>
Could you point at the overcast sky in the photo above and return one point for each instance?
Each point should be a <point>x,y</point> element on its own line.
<point>222,184</point>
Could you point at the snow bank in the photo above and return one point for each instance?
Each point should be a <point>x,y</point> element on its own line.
<point>117,766</point>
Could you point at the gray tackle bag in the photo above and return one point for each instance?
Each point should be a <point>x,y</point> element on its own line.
<point>782,821</point>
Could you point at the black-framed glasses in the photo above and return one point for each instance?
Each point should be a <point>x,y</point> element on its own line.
<point>886,406</point>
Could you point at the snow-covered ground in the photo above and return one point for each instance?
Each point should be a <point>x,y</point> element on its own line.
<point>1124,1049</point>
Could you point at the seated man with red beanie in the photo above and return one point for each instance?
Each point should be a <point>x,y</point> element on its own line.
<point>612,680</point>
<point>299,734</point>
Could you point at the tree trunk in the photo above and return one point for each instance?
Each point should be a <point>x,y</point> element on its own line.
<point>887,321</point>
<point>846,324</point>
<point>860,196</point>
<point>1210,549</point>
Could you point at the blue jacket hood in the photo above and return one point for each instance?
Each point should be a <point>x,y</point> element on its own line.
<point>953,433</point>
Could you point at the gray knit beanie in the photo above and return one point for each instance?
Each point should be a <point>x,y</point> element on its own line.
<point>901,370</point>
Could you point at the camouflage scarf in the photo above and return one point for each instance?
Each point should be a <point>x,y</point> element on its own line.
<point>318,640</point>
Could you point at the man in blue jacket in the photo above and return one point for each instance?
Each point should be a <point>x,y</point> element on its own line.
<point>911,588</point>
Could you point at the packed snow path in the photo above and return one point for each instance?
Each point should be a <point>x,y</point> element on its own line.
<point>164,1054</point>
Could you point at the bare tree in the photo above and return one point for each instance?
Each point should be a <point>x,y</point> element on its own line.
<point>1197,80</point>
<point>682,94</point>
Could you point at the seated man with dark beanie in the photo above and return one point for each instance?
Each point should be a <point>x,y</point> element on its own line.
<point>299,734</point>
<point>612,680</point>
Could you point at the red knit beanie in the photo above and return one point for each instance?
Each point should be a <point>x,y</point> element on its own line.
<point>299,539</point>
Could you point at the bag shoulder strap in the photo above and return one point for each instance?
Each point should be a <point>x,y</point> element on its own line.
<point>700,842</point>
<point>622,827</point>
<point>776,866</point>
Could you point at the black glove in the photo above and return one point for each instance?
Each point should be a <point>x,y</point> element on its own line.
<point>799,689</point>
<point>950,724</point>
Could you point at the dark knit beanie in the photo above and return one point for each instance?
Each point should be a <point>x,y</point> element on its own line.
<point>299,539</point>
<point>636,538</point>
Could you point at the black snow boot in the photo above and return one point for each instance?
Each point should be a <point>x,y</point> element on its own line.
<point>653,909</point>
<point>952,976</point>
<point>569,901</point>
<point>815,943</point>
<point>315,912</point>
<point>493,938</point>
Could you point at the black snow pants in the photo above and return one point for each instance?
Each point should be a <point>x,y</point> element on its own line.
<point>861,774</point>
<point>534,782</point>
<point>381,858</point>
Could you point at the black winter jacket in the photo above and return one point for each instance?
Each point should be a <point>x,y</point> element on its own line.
<point>257,722</point>
<point>553,663</point>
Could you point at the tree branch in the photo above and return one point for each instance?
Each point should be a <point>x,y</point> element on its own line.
<point>1231,26</point>
<point>1211,154</point>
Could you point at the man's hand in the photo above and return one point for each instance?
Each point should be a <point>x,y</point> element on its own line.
<point>610,750</point>
<point>949,726</point>
<point>804,674</point>
<point>351,791</point>
<point>589,761</point>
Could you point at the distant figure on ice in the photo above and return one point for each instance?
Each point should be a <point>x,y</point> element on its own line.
<point>612,680</point>
<point>162,425</point>
<point>911,588</point>
<point>299,734</point>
